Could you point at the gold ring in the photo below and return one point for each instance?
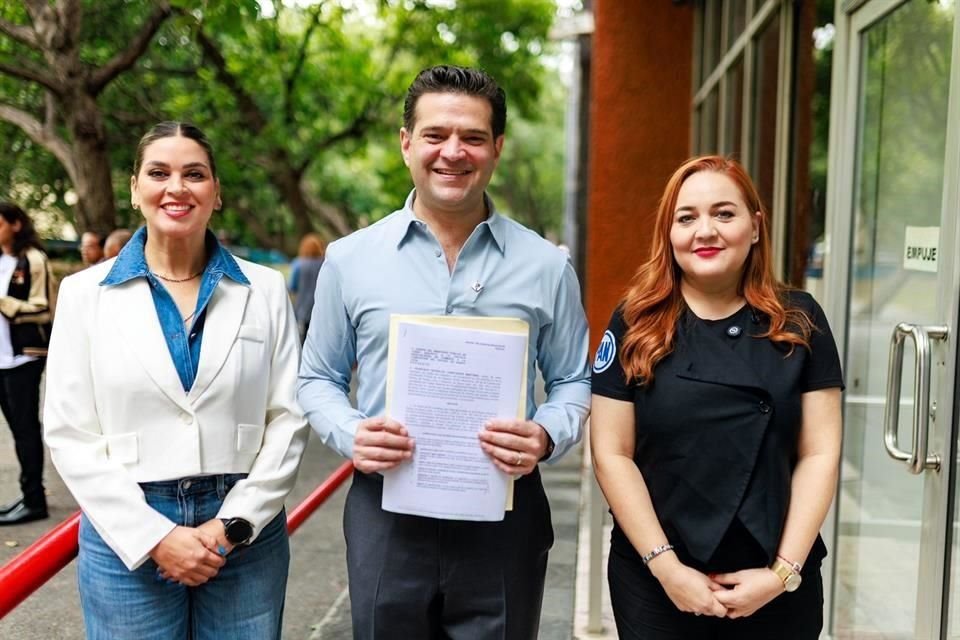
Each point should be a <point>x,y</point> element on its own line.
<point>519,460</point>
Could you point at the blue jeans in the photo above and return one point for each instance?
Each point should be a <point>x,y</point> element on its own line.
<point>243,601</point>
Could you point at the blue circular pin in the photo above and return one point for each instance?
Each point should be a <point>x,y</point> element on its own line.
<point>734,331</point>
<point>606,353</point>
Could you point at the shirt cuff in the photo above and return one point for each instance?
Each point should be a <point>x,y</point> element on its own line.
<point>555,423</point>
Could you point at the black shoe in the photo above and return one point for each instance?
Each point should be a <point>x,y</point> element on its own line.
<point>22,513</point>
<point>10,506</point>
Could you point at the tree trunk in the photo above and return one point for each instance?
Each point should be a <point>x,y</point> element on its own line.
<point>256,227</point>
<point>288,184</point>
<point>307,216</point>
<point>73,86</point>
<point>96,208</point>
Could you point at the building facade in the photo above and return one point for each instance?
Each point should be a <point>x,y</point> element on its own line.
<point>847,115</point>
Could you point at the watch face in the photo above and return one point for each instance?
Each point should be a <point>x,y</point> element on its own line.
<point>238,530</point>
<point>792,582</point>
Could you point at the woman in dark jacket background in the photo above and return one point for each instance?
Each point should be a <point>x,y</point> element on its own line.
<point>25,317</point>
<point>303,279</point>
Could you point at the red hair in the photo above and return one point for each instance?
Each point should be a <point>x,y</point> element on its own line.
<point>311,246</point>
<point>653,303</point>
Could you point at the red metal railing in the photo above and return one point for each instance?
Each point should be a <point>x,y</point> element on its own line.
<point>313,501</point>
<point>55,549</point>
<point>39,562</point>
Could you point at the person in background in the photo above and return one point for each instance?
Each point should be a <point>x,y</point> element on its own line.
<point>114,242</point>
<point>303,278</point>
<point>25,314</point>
<point>91,248</point>
<point>716,426</point>
<point>180,457</point>
<point>446,252</point>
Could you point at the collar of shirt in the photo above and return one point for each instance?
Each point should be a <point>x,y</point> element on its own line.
<point>183,342</point>
<point>132,263</point>
<point>407,220</point>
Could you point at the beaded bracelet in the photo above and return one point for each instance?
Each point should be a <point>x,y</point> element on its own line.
<point>796,566</point>
<point>655,552</point>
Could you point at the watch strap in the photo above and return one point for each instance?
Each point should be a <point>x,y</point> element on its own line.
<point>790,578</point>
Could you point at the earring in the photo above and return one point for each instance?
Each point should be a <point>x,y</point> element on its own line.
<point>135,205</point>
<point>218,204</point>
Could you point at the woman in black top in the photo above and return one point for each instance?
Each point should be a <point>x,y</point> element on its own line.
<point>25,315</point>
<point>716,426</point>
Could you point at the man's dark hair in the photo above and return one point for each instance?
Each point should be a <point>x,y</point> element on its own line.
<point>450,79</point>
<point>170,129</point>
<point>99,236</point>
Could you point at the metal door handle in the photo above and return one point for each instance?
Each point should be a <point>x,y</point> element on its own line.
<point>918,459</point>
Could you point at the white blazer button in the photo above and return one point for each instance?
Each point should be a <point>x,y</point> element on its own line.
<point>186,418</point>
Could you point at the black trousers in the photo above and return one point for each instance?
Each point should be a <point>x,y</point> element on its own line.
<point>429,579</point>
<point>20,403</point>
<point>643,611</point>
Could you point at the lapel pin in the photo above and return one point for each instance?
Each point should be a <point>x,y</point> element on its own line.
<point>477,287</point>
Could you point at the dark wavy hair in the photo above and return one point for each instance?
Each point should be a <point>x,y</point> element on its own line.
<point>27,235</point>
<point>446,78</point>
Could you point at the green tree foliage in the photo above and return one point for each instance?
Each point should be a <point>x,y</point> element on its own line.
<point>55,68</point>
<point>303,103</point>
<point>529,181</point>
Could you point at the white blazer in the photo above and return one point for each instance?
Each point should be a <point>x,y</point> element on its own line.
<point>116,414</point>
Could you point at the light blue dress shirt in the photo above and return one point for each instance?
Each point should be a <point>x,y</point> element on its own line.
<point>183,341</point>
<point>398,266</point>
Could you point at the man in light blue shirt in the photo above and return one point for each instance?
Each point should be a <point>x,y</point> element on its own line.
<point>446,252</point>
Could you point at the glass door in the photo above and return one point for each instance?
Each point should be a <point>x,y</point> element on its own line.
<point>897,265</point>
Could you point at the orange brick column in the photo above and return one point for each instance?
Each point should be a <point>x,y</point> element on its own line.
<point>640,124</point>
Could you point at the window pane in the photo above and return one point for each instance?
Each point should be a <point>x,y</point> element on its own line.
<point>808,180</point>
<point>733,127</point>
<point>711,36</point>
<point>898,181</point>
<point>766,76</point>
<point>708,124</point>
<point>736,21</point>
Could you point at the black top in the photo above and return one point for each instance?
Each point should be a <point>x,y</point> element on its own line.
<point>30,283</point>
<point>717,431</point>
<point>306,283</point>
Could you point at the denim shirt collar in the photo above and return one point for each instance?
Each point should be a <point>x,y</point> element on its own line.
<point>132,263</point>
<point>407,220</point>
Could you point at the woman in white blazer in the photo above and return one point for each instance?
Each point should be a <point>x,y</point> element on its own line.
<point>170,413</point>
